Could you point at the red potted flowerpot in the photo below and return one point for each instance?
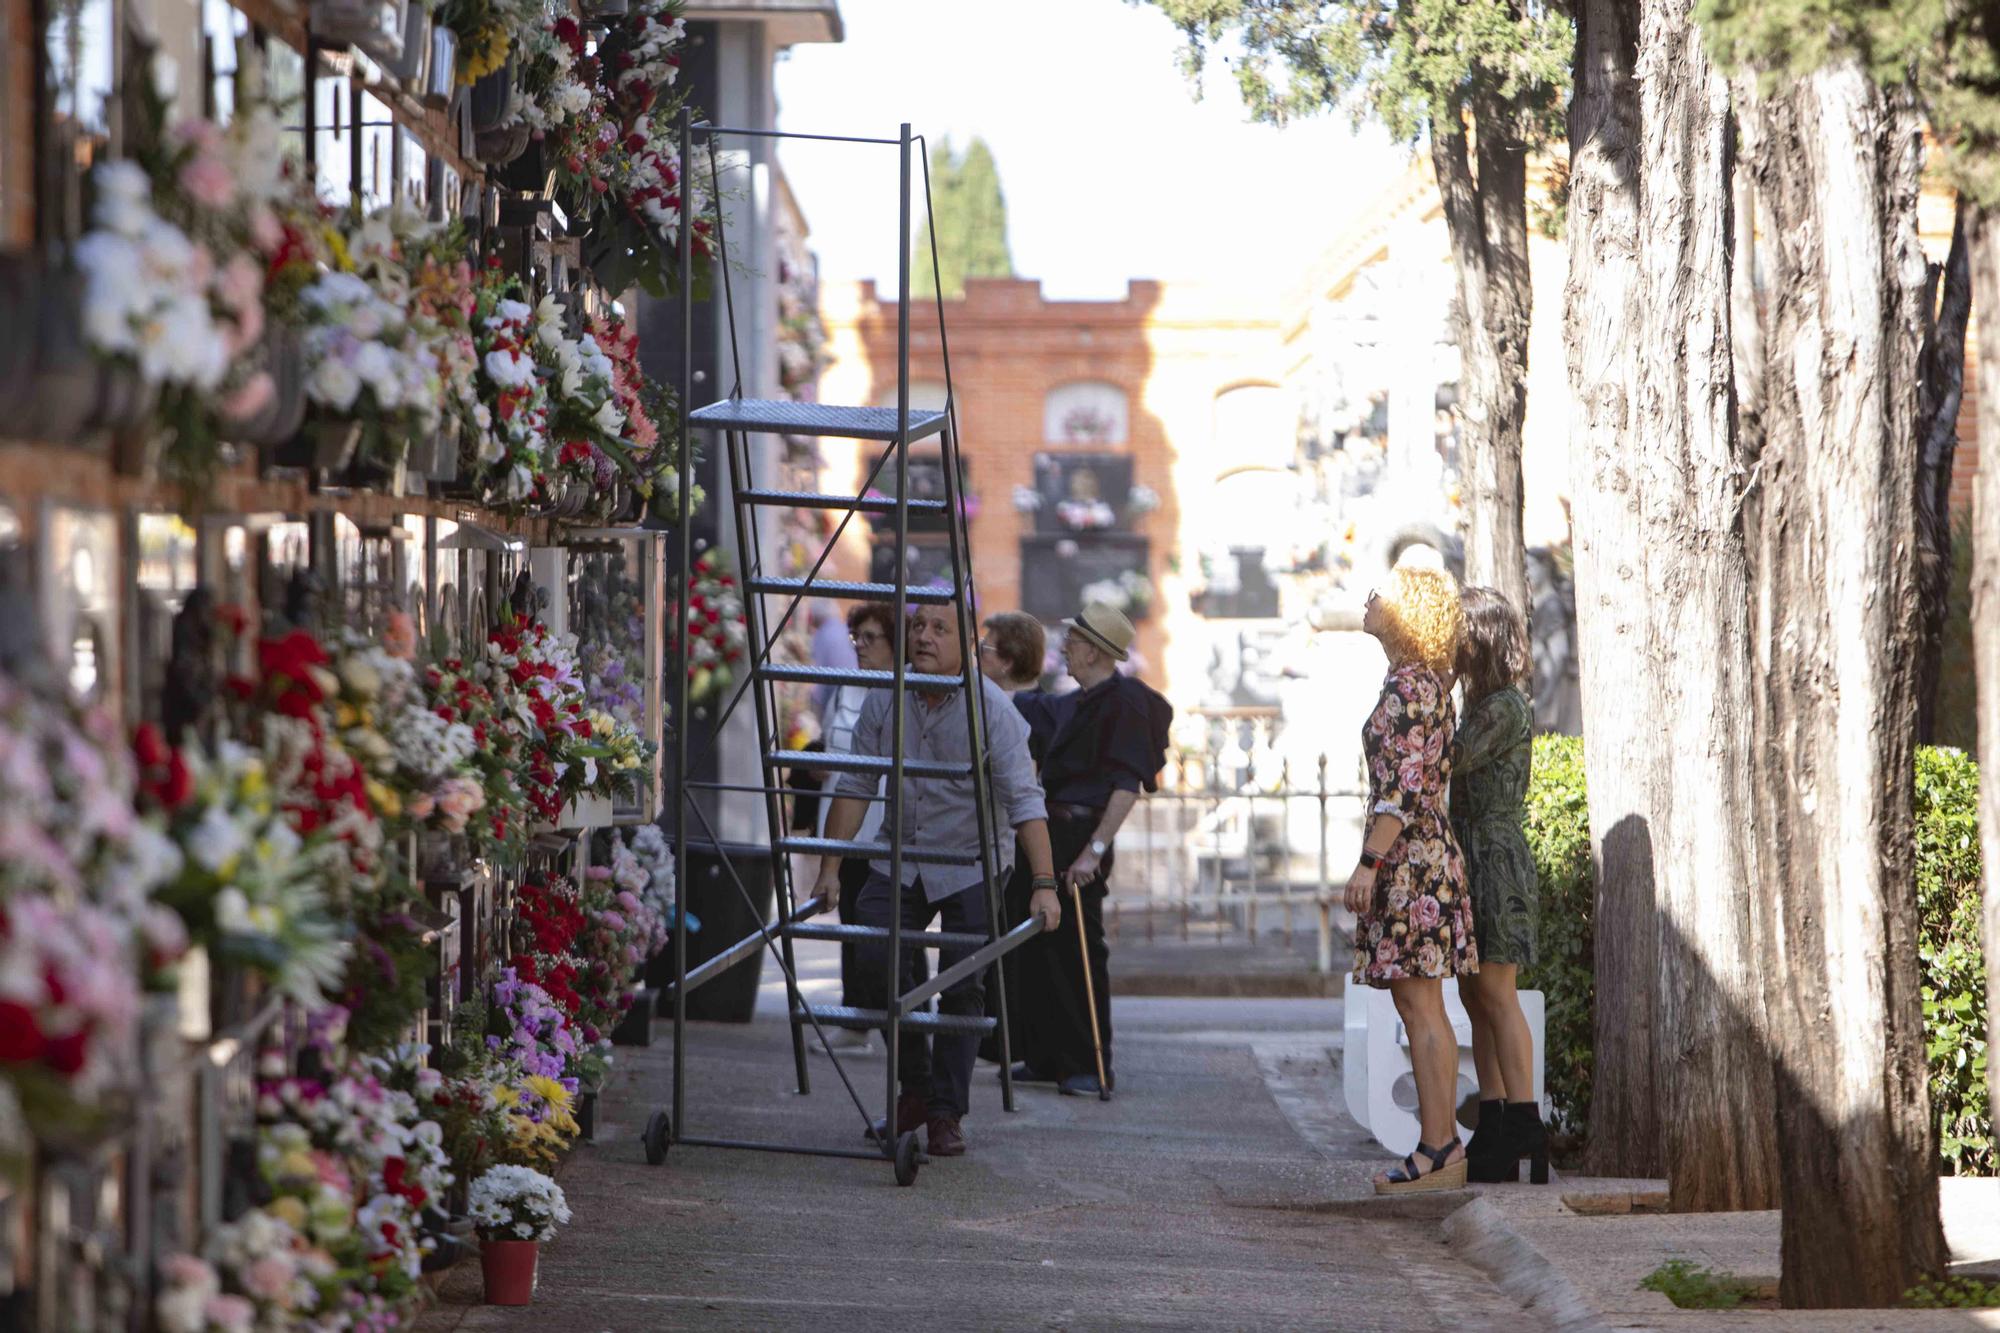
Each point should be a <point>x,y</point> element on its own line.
<point>509,1269</point>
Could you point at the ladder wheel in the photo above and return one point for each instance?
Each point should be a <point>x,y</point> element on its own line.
<point>906,1159</point>
<point>659,1134</point>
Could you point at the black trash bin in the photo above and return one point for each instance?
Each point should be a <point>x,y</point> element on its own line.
<point>710,896</point>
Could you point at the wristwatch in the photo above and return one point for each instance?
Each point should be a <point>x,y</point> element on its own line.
<point>1098,847</point>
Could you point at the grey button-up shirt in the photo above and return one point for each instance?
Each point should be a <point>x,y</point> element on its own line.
<point>939,812</point>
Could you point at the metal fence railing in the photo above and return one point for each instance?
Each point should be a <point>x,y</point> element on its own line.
<point>1244,853</point>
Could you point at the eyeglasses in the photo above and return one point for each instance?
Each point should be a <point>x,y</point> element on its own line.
<point>868,639</point>
<point>986,647</point>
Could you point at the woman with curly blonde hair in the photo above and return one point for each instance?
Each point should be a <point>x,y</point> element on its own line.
<point>1413,923</point>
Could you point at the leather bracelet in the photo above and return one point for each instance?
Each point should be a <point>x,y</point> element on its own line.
<point>1044,882</point>
<point>1369,860</point>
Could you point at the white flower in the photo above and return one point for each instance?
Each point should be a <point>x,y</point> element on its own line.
<point>608,419</point>
<point>509,370</point>
<point>334,383</point>
<point>376,365</point>
<point>124,197</point>
<point>216,839</point>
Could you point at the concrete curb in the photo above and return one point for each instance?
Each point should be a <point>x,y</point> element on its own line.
<point>1481,1235</point>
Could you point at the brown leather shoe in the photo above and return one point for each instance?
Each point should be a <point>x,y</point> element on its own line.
<point>945,1138</point>
<point>912,1109</point>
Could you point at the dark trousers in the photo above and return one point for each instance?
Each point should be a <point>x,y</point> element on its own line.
<point>853,874</point>
<point>938,1067</point>
<point>1048,1008</point>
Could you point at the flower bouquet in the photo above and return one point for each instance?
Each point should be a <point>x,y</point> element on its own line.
<point>718,635</point>
<point>514,455</point>
<point>516,1208</point>
<point>249,887</point>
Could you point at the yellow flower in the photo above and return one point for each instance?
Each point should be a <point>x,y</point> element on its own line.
<point>336,246</point>
<point>386,802</point>
<point>288,1210</point>
<point>550,1091</point>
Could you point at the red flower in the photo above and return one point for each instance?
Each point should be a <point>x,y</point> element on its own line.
<point>66,1055</point>
<point>21,1037</point>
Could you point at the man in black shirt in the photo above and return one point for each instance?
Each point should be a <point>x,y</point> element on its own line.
<point>1098,746</point>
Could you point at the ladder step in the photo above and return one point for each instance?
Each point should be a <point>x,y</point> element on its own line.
<point>865,763</point>
<point>789,418</point>
<point>878,680</point>
<point>861,504</point>
<point>840,1016</point>
<point>879,851</point>
<point>912,939</point>
<point>853,592</point>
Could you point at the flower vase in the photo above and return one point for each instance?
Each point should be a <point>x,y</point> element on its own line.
<point>376,26</point>
<point>321,443</point>
<point>531,172</point>
<point>282,357</point>
<point>64,396</point>
<point>509,1269</point>
<point>493,99</point>
<point>586,1117</point>
<point>604,9</point>
<point>442,75</point>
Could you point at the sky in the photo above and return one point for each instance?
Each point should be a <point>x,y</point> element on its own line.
<point>1111,169</point>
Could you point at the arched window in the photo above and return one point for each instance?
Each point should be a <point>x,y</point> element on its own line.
<point>1087,412</point>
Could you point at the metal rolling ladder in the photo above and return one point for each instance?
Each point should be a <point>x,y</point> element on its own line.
<point>737,420</point>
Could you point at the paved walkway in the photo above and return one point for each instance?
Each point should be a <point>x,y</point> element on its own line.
<point>1221,1189</point>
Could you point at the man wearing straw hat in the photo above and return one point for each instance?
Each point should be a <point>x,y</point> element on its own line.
<point>1098,746</point>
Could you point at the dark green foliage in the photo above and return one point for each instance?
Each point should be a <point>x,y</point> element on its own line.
<point>1406,63</point>
<point>1695,1288</point>
<point>389,975</point>
<point>969,213</point>
<point>1954,977</point>
<point>1954,973</point>
<point>1559,836</point>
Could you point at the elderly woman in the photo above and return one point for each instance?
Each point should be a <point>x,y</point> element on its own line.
<point>1489,788</point>
<point>1012,649</point>
<point>1414,918</point>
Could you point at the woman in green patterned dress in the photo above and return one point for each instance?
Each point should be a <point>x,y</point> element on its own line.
<point>1489,785</point>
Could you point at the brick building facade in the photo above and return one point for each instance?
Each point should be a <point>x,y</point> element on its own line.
<point>1105,412</point>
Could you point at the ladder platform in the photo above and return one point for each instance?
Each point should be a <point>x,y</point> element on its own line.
<point>874,680</point>
<point>840,1016</point>
<point>853,592</point>
<point>879,851</point>
<point>782,417</point>
<point>860,504</point>
<point>864,763</point>
<point>912,939</point>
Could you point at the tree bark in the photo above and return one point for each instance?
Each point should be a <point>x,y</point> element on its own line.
<point>1486,216</point>
<point>1983,237</point>
<point>1836,638</point>
<point>1612,639</point>
<point>1939,393</point>
<point>1713,1067</point>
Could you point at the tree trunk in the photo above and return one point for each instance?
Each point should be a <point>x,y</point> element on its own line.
<point>1983,234</point>
<point>1836,640</point>
<point>1487,218</point>
<point>1612,642</point>
<point>1939,393</point>
<point>1713,1068</point>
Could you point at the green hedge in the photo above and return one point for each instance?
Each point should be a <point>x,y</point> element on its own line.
<point>1559,837</point>
<point>1954,972</point>
<point>1954,985</point>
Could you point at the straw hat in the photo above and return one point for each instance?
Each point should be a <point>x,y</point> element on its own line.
<point>1104,626</point>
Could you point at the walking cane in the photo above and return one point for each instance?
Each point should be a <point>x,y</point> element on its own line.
<point>1089,992</point>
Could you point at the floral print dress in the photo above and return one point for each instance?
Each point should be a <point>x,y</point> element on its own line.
<point>1421,922</point>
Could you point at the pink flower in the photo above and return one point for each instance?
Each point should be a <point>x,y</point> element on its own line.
<point>231,1314</point>
<point>1424,914</point>
<point>420,805</point>
<point>269,1278</point>
<point>208,182</point>
<point>250,400</point>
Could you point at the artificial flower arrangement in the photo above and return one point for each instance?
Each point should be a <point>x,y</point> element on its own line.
<point>718,635</point>
<point>79,927</point>
<point>570,752</point>
<point>514,457</point>
<point>367,367</point>
<point>249,886</point>
<point>484,702</point>
<point>487,30</point>
<point>620,930</point>
<point>653,854</point>
<point>517,1203</point>
<point>419,755</point>
<point>526,1026</point>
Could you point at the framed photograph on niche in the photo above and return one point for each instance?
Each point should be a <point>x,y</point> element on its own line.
<point>1060,574</point>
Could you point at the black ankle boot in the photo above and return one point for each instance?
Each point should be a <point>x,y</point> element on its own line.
<point>1526,1138</point>
<point>1486,1134</point>
<point>1486,1159</point>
